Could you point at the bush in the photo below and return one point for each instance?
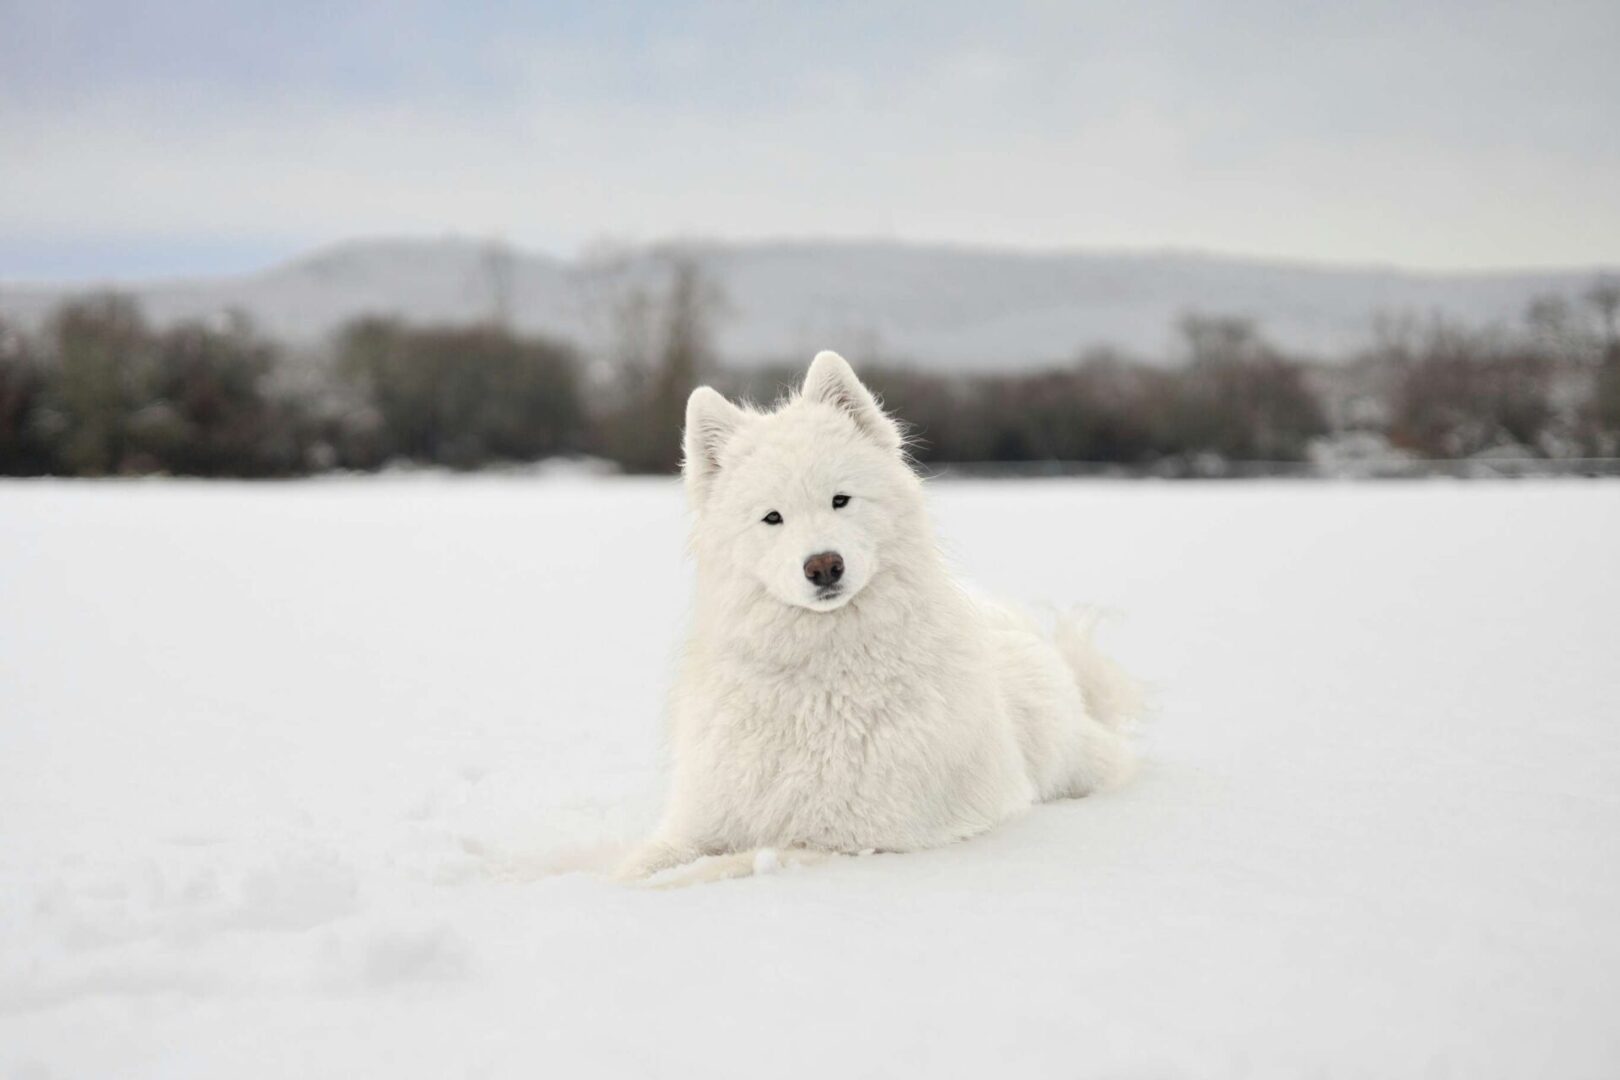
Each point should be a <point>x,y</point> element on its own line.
<point>1240,399</point>
<point>100,393</point>
<point>1459,394</point>
<point>207,410</point>
<point>464,397</point>
<point>1602,409</point>
<point>25,446</point>
<point>100,346</point>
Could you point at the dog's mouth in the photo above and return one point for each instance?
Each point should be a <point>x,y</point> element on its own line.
<point>829,597</point>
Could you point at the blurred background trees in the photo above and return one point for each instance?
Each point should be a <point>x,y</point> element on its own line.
<point>25,444</point>
<point>203,407</point>
<point>1240,399</point>
<point>662,345</point>
<point>100,392</point>
<point>102,352</point>
<point>97,390</point>
<point>461,396</point>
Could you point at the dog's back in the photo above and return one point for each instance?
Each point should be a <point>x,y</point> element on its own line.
<point>1069,703</point>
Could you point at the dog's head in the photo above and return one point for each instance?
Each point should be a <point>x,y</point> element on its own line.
<point>807,501</point>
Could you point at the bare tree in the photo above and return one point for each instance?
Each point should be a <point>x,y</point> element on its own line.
<point>663,345</point>
<point>1604,296</point>
<point>1240,398</point>
<point>499,267</point>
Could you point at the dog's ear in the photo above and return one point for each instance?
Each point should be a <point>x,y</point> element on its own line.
<point>710,422</point>
<point>831,380</point>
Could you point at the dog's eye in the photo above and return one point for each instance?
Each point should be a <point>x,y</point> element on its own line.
<point>840,501</point>
<point>773,518</point>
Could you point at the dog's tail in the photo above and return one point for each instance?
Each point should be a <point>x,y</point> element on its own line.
<point>1112,696</point>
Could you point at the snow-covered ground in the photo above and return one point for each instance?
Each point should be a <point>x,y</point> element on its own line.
<point>309,779</point>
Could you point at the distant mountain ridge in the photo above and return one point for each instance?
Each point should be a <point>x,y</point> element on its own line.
<point>940,306</point>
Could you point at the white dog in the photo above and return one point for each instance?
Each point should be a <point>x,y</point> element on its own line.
<point>840,692</point>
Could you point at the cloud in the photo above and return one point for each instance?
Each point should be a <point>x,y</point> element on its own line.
<point>1356,135</point>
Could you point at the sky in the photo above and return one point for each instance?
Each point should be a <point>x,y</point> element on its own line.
<point>174,139</point>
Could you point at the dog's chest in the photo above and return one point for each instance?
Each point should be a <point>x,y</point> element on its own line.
<point>803,757</point>
<point>803,720</point>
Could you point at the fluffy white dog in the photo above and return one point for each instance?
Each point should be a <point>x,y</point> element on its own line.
<point>840,692</point>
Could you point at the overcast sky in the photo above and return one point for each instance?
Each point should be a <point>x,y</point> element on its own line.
<point>157,138</point>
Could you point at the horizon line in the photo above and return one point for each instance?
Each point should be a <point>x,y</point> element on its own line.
<point>582,252</point>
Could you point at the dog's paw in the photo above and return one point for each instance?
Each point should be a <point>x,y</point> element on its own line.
<point>760,863</point>
<point>650,859</point>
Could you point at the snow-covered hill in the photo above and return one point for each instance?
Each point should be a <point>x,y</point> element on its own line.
<point>944,306</point>
<point>306,780</point>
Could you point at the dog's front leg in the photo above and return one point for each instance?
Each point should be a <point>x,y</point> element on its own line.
<point>737,864</point>
<point>656,855</point>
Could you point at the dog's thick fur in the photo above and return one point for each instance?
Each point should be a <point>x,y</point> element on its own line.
<point>890,711</point>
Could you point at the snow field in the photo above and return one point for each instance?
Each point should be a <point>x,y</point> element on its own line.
<point>311,779</point>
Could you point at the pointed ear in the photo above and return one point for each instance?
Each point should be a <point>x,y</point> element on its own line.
<point>710,422</point>
<point>831,380</point>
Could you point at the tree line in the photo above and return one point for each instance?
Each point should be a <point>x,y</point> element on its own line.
<point>98,390</point>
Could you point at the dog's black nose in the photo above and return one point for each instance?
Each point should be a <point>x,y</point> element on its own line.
<point>824,569</point>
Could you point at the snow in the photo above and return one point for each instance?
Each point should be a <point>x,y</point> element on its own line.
<point>311,779</point>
